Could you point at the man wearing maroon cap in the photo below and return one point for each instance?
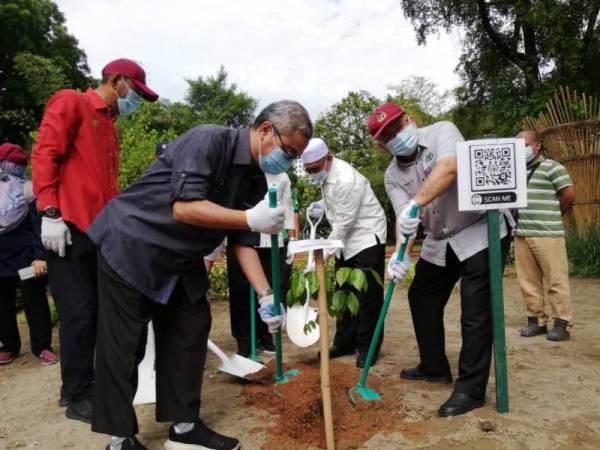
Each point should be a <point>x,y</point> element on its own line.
<point>75,169</point>
<point>423,173</point>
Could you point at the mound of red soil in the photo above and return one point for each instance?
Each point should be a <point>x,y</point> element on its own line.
<point>297,407</point>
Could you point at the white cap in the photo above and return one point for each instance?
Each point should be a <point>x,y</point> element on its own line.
<point>316,150</point>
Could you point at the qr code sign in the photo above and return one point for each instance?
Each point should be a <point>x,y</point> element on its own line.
<point>493,167</point>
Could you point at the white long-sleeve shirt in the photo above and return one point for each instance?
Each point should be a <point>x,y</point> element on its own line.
<point>356,216</point>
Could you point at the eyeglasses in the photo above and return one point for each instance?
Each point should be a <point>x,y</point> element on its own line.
<point>290,153</point>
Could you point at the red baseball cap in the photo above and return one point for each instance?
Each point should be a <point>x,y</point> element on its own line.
<point>382,116</point>
<point>134,72</point>
<point>13,153</point>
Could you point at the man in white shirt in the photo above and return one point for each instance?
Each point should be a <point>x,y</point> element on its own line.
<point>357,218</point>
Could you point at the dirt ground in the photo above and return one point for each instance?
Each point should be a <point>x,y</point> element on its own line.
<point>554,390</point>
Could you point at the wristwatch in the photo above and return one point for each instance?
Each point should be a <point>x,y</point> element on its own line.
<point>264,293</point>
<point>51,212</point>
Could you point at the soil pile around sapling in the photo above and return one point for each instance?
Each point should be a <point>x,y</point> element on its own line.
<point>297,408</point>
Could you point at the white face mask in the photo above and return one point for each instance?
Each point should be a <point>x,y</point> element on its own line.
<point>529,154</point>
<point>319,177</point>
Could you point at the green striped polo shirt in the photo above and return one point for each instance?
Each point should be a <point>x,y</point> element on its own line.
<point>542,216</point>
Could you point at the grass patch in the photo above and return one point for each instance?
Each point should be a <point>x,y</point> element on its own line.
<point>584,253</point>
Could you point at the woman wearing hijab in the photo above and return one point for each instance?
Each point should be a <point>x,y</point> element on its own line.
<point>21,247</point>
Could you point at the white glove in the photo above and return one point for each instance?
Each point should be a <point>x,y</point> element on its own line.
<point>289,260</point>
<point>262,219</point>
<point>397,270</point>
<point>267,314</point>
<point>406,225</point>
<point>316,210</point>
<point>56,235</point>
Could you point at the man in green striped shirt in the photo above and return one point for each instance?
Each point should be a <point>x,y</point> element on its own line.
<point>540,250</point>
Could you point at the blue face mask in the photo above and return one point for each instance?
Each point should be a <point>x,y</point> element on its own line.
<point>318,178</point>
<point>128,104</point>
<point>405,142</point>
<point>529,155</point>
<point>275,162</point>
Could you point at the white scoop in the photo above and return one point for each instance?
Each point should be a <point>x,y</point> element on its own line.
<point>298,316</point>
<point>236,365</point>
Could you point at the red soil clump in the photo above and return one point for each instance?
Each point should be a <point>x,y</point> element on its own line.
<point>297,408</point>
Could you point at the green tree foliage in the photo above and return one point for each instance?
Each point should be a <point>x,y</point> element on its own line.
<point>344,128</point>
<point>514,54</point>
<point>208,100</point>
<point>215,101</point>
<point>38,57</point>
<point>139,134</point>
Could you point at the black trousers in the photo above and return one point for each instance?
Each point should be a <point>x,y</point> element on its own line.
<point>239,295</point>
<point>428,295</point>
<point>357,332</point>
<point>37,313</point>
<point>181,331</point>
<point>72,282</point>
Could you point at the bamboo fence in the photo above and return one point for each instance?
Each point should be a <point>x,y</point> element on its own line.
<point>570,131</point>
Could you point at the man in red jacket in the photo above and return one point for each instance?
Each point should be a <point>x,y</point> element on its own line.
<point>75,173</point>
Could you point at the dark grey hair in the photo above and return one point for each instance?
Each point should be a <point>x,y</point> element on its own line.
<point>286,116</point>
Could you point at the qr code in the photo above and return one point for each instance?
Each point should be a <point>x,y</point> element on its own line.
<point>493,168</point>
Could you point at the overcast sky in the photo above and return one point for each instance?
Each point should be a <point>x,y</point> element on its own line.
<point>314,51</point>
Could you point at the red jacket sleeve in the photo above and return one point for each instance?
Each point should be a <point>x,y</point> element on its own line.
<point>57,131</point>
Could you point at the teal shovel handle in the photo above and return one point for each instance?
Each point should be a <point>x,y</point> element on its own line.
<point>276,286</point>
<point>386,304</point>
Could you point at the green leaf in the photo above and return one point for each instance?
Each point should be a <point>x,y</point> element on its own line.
<point>289,299</point>
<point>342,275</point>
<point>377,277</point>
<point>359,280</point>
<point>353,304</point>
<point>338,303</point>
<point>299,286</point>
<point>313,283</point>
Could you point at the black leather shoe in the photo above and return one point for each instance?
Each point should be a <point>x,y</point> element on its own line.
<point>80,410</point>
<point>361,359</point>
<point>415,373</point>
<point>336,352</point>
<point>459,403</point>
<point>533,328</point>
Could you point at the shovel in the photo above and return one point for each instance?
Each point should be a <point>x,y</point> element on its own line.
<point>280,376</point>
<point>361,388</point>
<point>236,365</point>
<point>300,315</point>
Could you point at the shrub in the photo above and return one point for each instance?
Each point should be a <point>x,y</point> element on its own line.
<point>584,252</point>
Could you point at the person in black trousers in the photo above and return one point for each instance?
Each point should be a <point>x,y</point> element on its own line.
<point>358,220</point>
<point>151,242</point>
<point>21,247</point>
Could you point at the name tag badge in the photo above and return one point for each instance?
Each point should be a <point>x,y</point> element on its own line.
<point>428,160</point>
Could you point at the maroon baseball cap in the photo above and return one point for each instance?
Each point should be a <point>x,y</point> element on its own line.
<point>382,116</point>
<point>13,153</point>
<point>134,72</point>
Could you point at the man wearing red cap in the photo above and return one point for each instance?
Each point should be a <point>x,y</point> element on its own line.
<point>75,165</point>
<point>423,173</point>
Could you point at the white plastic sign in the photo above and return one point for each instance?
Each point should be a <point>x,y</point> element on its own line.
<point>492,174</point>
